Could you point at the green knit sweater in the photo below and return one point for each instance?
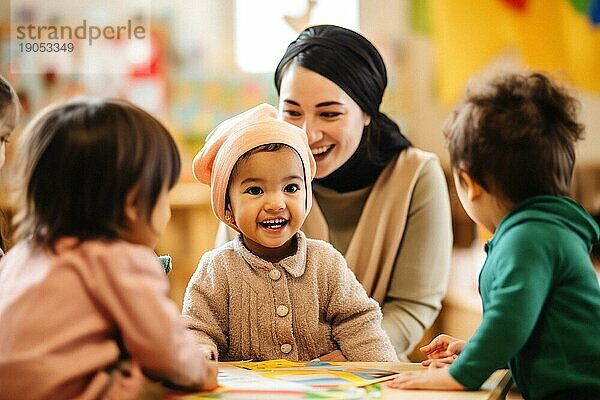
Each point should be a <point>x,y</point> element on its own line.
<point>541,302</point>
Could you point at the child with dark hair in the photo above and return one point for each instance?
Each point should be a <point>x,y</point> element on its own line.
<point>82,289</point>
<point>9,109</point>
<point>272,292</point>
<point>512,149</point>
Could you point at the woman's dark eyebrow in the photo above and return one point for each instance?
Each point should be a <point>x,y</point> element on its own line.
<point>329,103</point>
<point>323,104</point>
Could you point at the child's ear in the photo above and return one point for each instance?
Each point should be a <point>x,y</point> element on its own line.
<point>130,209</point>
<point>229,216</point>
<point>473,189</point>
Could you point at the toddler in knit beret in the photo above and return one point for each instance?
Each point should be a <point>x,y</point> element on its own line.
<point>272,293</point>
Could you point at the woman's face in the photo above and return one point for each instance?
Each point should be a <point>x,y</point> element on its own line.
<point>333,121</point>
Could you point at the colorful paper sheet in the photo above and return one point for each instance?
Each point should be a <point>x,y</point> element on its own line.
<point>284,379</point>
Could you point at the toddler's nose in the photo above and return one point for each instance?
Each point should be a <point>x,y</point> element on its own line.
<point>275,202</point>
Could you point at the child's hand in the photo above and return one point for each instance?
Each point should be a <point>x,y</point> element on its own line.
<point>210,382</point>
<point>127,384</point>
<point>335,355</point>
<point>436,378</point>
<point>443,348</point>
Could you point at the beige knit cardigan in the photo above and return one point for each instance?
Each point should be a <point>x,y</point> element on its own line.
<point>300,308</point>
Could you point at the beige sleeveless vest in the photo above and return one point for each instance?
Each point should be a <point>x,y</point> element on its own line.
<point>374,246</point>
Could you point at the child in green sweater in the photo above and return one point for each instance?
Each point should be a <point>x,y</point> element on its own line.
<point>511,146</point>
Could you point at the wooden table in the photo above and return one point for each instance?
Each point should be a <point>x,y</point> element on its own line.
<point>494,388</point>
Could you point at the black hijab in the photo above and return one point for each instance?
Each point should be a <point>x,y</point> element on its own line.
<point>352,62</point>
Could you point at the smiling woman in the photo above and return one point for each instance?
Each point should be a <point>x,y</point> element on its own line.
<point>381,202</point>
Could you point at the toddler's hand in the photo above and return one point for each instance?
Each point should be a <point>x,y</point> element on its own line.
<point>127,384</point>
<point>443,348</point>
<point>210,382</point>
<point>335,355</point>
<point>436,377</point>
<point>445,360</point>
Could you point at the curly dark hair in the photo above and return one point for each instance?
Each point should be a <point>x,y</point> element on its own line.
<point>515,136</point>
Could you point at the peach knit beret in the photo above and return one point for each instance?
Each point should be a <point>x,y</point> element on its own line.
<point>234,137</point>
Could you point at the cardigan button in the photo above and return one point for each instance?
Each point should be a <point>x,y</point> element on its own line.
<point>286,348</point>
<point>282,311</point>
<point>274,274</point>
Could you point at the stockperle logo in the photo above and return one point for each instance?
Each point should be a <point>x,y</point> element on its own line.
<point>80,36</point>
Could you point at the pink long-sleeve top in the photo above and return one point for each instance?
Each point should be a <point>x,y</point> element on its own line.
<point>63,316</point>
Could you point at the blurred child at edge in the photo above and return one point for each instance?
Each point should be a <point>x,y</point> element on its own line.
<point>9,110</point>
<point>512,150</point>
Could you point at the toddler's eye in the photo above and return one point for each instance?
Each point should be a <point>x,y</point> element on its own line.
<point>4,139</point>
<point>291,188</point>
<point>254,190</point>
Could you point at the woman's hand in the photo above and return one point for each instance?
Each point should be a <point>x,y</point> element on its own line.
<point>335,355</point>
<point>443,349</point>
<point>436,377</point>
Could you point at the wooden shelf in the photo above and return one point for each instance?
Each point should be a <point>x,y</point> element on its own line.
<point>190,233</point>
